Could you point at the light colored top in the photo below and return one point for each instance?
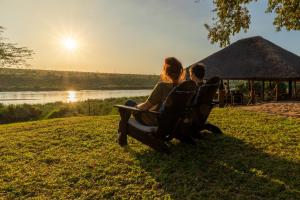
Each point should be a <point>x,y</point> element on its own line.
<point>159,94</point>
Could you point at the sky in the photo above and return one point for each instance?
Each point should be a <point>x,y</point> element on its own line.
<point>123,36</point>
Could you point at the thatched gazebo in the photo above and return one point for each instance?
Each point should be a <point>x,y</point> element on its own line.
<point>255,59</point>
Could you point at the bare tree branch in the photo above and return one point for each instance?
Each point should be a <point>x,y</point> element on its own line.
<point>11,55</point>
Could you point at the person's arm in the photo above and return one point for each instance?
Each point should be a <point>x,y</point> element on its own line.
<point>145,105</point>
<point>153,99</point>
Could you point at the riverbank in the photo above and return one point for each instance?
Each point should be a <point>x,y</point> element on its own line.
<point>28,112</point>
<point>47,80</point>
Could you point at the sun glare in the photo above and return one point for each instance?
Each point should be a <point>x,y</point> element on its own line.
<point>71,96</point>
<point>69,43</point>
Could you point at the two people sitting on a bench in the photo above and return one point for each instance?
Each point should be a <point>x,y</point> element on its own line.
<point>175,109</point>
<point>172,75</point>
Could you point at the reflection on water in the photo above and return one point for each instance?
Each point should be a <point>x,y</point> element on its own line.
<point>71,97</point>
<point>65,96</point>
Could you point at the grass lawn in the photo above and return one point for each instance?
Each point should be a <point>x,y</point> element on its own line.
<point>258,157</point>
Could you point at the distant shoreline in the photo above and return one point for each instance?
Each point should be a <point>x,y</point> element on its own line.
<point>65,89</point>
<point>20,80</point>
<point>15,99</point>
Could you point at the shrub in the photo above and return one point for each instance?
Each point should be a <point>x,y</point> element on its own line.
<point>26,112</point>
<point>64,111</point>
<point>18,113</point>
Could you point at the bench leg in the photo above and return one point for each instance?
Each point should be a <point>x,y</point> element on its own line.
<point>122,138</point>
<point>212,128</point>
<point>125,115</point>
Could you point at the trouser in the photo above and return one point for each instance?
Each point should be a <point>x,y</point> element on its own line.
<point>144,118</point>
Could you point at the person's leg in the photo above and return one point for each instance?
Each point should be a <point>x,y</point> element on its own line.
<point>136,115</point>
<point>130,102</point>
<point>147,119</point>
<point>144,118</point>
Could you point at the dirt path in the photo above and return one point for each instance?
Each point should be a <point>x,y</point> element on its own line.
<point>288,109</point>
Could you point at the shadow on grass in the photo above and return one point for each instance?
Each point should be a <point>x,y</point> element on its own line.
<point>222,167</point>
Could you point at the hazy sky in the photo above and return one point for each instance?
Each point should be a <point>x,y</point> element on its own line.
<point>123,36</point>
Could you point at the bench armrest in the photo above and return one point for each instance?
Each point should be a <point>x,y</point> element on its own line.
<point>215,102</point>
<point>134,109</point>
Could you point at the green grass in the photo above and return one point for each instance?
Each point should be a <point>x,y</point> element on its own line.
<point>258,157</point>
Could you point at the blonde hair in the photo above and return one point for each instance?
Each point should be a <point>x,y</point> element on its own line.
<point>172,71</point>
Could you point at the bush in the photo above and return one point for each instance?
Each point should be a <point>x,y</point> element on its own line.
<point>17,113</point>
<point>64,111</point>
<point>26,112</point>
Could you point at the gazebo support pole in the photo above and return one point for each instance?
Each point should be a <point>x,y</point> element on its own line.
<point>252,94</point>
<point>295,89</point>
<point>263,90</point>
<point>290,88</point>
<point>277,91</point>
<point>221,95</point>
<point>249,85</point>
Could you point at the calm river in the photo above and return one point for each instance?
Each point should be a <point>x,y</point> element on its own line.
<point>65,96</point>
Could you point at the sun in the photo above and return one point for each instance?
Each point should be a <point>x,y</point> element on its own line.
<point>69,43</point>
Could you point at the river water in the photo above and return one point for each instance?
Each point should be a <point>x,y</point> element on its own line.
<point>43,97</point>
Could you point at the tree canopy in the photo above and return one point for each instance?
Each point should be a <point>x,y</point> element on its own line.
<point>232,16</point>
<point>11,55</point>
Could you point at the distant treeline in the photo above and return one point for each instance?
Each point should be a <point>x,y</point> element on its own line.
<point>46,80</point>
<point>27,112</point>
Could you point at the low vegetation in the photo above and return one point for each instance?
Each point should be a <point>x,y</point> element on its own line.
<point>27,112</point>
<point>258,157</point>
<point>43,80</point>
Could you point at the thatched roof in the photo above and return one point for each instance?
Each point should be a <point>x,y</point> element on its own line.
<point>253,58</point>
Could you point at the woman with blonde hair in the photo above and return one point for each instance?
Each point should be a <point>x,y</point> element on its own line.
<point>172,74</point>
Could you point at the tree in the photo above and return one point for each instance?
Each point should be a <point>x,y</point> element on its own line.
<point>232,16</point>
<point>11,55</point>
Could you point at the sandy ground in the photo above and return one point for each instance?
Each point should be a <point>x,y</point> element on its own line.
<point>288,109</point>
